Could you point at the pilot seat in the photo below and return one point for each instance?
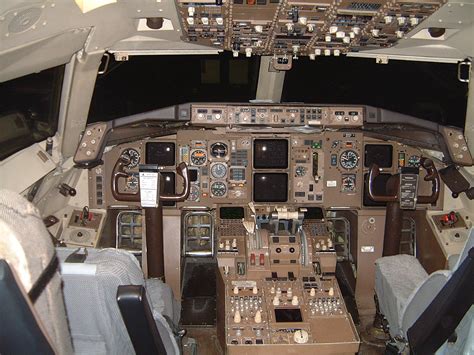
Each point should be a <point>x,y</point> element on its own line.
<point>92,282</point>
<point>413,301</point>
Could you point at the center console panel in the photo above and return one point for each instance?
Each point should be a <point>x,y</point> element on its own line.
<point>277,289</point>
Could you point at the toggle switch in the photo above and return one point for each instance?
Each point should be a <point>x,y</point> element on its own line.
<point>255,290</point>
<point>312,292</point>
<point>236,290</point>
<point>331,291</point>
<point>234,243</point>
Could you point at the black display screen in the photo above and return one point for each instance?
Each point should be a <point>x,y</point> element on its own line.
<point>270,153</point>
<point>288,315</point>
<point>270,187</point>
<point>169,187</point>
<point>380,154</point>
<point>231,212</point>
<point>314,213</point>
<point>160,153</point>
<point>193,175</point>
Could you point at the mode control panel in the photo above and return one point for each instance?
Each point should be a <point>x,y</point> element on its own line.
<point>277,116</point>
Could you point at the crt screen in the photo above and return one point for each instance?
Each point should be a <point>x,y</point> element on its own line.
<point>288,315</point>
<point>160,153</point>
<point>381,154</point>
<point>270,154</point>
<point>270,187</point>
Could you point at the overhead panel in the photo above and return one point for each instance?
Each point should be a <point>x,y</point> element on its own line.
<point>301,27</point>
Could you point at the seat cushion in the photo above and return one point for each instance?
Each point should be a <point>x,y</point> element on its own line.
<point>396,277</point>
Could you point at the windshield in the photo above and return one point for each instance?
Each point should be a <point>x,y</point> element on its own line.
<point>29,109</point>
<point>429,91</point>
<point>425,90</point>
<point>151,82</point>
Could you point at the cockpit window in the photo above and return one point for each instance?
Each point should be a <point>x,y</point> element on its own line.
<point>29,109</point>
<point>150,82</point>
<point>429,91</point>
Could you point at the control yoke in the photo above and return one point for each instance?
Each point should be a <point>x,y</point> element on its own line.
<point>432,175</point>
<point>118,173</point>
<point>402,193</point>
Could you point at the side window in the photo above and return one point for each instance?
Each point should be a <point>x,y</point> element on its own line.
<point>29,108</point>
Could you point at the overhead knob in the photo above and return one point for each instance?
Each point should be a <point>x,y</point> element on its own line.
<point>272,290</point>
<point>258,317</point>
<point>312,292</point>
<point>259,28</point>
<point>248,52</point>
<point>191,11</point>
<point>255,290</point>
<point>220,21</point>
<point>237,317</point>
<point>303,20</point>
<point>401,20</point>
<point>294,301</point>
<point>236,290</point>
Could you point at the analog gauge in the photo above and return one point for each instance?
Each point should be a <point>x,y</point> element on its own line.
<point>198,157</point>
<point>218,170</point>
<point>414,161</point>
<point>193,193</point>
<point>219,150</point>
<point>300,171</point>
<point>218,189</point>
<point>132,182</point>
<point>349,159</point>
<point>133,155</point>
<point>348,183</point>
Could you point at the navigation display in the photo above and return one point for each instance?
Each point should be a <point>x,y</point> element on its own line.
<point>270,187</point>
<point>381,154</point>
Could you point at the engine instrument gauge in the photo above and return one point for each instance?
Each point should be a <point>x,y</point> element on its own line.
<point>133,155</point>
<point>219,150</point>
<point>349,159</point>
<point>198,157</point>
<point>300,171</point>
<point>348,183</point>
<point>218,189</point>
<point>414,161</point>
<point>218,170</point>
<point>194,193</point>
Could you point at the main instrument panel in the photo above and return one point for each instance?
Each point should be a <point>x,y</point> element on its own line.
<point>290,28</point>
<point>280,155</point>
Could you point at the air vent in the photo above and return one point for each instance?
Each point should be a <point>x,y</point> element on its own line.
<point>363,6</point>
<point>24,20</point>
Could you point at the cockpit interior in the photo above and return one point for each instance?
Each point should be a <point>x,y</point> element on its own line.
<point>236,177</point>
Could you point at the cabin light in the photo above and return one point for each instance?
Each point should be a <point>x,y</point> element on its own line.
<point>89,5</point>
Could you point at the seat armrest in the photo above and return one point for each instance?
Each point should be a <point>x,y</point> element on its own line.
<point>139,320</point>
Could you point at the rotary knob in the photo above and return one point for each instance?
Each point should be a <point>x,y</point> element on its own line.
<point>301,336</point>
